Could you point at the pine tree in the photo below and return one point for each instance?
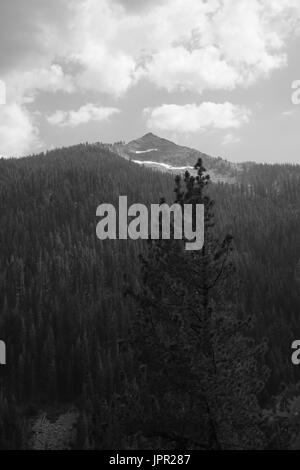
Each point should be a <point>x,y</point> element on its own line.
<point>199,372</point>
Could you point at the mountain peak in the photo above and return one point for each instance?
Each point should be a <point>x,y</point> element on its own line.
<point>150,134</point>
<point>159,153</point>
<point>153,148</point>
<point>151,140</point>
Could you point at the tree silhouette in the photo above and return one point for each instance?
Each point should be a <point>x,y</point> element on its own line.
<point>200,373</point>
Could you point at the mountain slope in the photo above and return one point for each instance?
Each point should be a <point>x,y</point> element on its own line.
<point>162,154</point>
<point>62,309</point>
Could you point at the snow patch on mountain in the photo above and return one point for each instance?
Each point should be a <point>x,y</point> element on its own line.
<point>146,151</point>
<point>164,165</point>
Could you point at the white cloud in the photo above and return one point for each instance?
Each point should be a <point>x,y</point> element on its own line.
<point>195,118</point>
<point>179,69</point>
<point>176,44</point>
<point>105,72</point>
<point>288,113</point>
<point>18,134</point>
<point>232,43</point>
<point>83,115</point>
<point>231,139</point>
<point>23,86</point>
<point>190,45</point>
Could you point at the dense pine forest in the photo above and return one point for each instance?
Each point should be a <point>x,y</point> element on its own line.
<point>74,309</point>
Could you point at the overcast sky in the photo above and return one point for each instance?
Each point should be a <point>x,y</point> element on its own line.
<point>215,75</point>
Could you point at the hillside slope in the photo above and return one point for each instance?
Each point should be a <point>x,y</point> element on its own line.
<point>162,154</point>
<point>62,308</point>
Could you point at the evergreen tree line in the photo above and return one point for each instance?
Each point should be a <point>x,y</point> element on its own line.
<point>72,337</point>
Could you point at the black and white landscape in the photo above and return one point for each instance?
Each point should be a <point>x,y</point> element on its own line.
<point>123,344</point>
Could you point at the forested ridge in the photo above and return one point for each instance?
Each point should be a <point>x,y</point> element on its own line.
<point>63,314</point>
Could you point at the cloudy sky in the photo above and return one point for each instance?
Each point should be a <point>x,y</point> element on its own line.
<point>215,75</point>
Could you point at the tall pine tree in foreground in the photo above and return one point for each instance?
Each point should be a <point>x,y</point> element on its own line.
<point>199,372</point>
